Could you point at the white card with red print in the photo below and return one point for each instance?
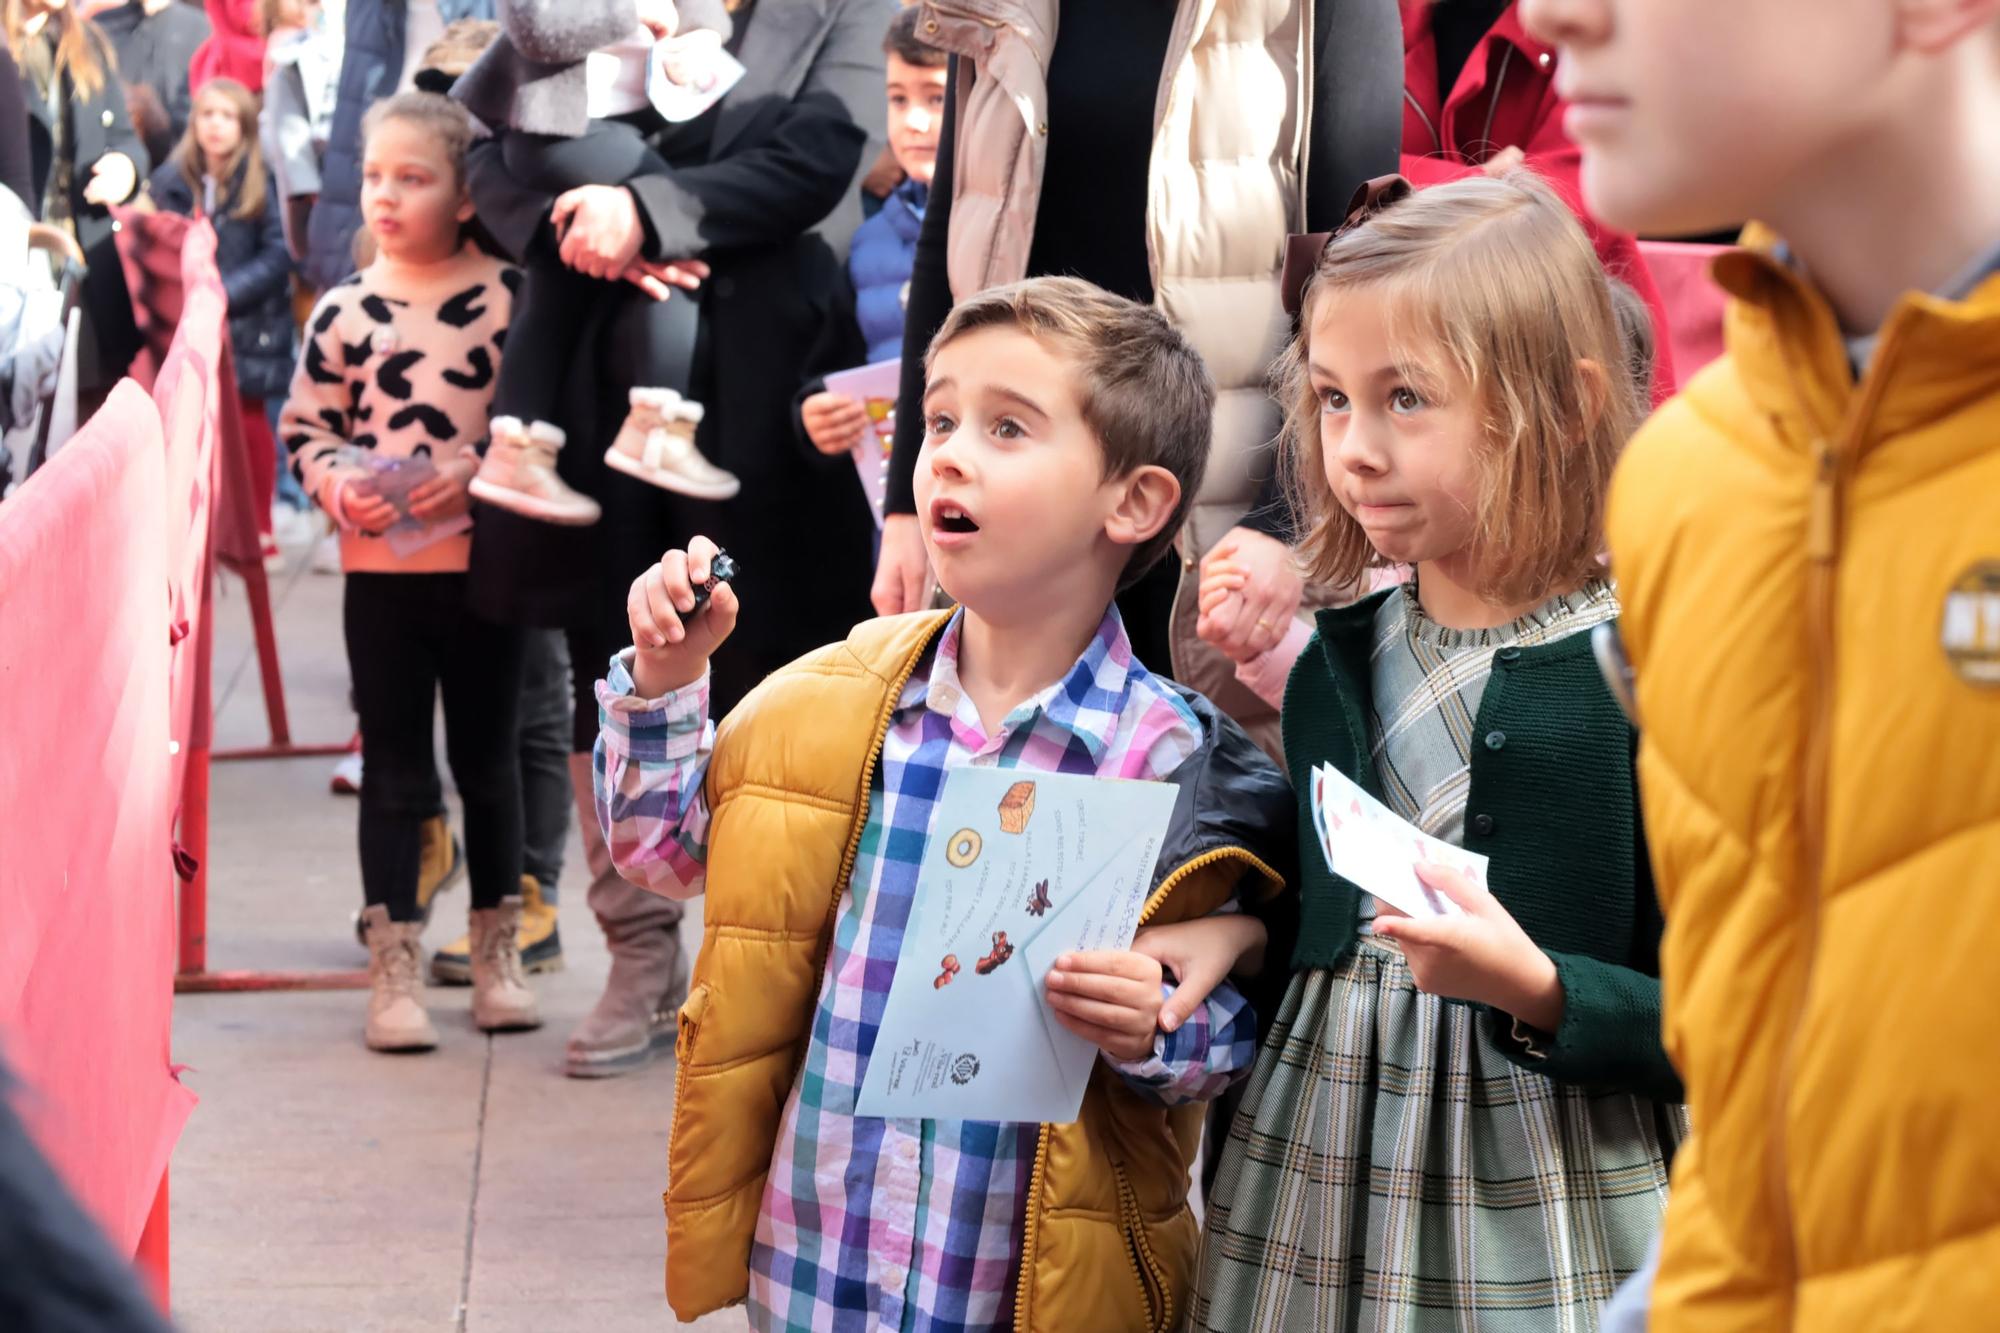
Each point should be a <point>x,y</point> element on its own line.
<point>1370,845</point>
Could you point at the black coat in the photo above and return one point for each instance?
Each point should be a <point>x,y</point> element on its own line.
<point>154,50</point>
<point>98,125</point>
<point>256,271</point>
<point>16,165</point>
<point>784,151</point>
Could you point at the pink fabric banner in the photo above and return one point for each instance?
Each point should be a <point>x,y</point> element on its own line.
<point>86,984</point>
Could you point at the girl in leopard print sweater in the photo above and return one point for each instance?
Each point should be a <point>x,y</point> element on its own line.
<point>397,371</point>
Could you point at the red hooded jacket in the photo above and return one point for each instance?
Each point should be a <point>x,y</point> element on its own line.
<point>1505,97</point>
<point>234,49</point>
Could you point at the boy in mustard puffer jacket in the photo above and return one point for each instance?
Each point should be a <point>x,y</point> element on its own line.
<point>1807,543</point>
<point>1065,434</point>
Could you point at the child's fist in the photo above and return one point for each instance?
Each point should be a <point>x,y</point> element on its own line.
<point>672,647</point>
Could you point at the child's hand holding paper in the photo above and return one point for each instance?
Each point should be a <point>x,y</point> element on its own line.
<point>1109,998</point>
<point>1480,953</point>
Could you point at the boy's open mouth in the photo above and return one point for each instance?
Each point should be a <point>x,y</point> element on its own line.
<point>951,518</point>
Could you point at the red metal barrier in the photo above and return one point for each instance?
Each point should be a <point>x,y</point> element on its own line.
<point>194,387</point>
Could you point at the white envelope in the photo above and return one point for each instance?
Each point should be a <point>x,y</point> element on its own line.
<point>966,1034</point>
<point>1367,843</point>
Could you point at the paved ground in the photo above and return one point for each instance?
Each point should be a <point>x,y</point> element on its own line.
<point>320,1187</point>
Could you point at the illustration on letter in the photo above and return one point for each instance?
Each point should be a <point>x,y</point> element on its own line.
<point>1002,951</point>
<point>1016,806</point>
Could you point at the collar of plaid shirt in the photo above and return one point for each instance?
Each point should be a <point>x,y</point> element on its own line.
<point>1087,703</point>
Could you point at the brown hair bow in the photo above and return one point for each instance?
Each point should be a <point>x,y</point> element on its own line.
<point>1302,252</point>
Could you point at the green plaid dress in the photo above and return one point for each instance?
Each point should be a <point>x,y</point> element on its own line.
<point>1391,1168</point>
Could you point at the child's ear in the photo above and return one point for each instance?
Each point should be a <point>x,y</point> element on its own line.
<point>1147,498</point>
<point>1596,384</point>
<point>465,206</point>
<point>1932,27</point>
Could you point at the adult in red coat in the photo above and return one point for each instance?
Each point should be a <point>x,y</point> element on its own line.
<point>234,49</point>
<point>1479,95</point>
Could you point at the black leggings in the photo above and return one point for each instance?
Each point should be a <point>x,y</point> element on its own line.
<point>537,360</point>
<point>408,636</point>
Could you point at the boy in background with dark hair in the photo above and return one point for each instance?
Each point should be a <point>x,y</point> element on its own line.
<point>885,246</point>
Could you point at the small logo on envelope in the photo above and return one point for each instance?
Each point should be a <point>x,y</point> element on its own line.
<point>964,1069</point>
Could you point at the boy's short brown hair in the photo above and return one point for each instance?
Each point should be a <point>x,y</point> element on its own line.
<point>1145,393</point>
<point>904,44</point>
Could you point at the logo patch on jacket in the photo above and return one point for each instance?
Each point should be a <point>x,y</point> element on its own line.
<point>1972,624</point>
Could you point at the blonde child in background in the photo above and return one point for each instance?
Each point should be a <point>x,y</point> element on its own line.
<point>398,369</point>
<point>1465,1119</point>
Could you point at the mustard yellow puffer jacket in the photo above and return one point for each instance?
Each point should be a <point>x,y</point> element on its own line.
<point>1109,1242</point>
<point>1810,571</point>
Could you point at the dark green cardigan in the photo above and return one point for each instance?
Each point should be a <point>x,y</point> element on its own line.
<point>1553,803</point>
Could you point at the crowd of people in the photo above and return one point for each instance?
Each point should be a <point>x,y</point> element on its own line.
<point>1282,387</point>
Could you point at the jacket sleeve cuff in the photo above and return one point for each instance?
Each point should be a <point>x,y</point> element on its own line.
<point>1609,1035</point>
<point>650,731</point>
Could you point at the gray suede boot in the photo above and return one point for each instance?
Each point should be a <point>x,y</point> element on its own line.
<point>638,1012</point>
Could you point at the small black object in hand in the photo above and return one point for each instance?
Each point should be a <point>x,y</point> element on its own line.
<point>720,570</point>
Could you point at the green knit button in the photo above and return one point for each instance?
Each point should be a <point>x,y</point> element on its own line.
<point>1495,739</point>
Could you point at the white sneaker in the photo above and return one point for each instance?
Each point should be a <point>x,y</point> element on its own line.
<point>346,778</point>
<point>656,445</point>
<point>326,555</point>
<point>294,528</point>
<point>519,475</point>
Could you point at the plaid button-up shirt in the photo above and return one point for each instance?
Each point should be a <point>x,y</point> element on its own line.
<point>905,1224</point>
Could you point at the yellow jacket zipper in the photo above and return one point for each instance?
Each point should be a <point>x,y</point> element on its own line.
<point>1831,458</point>
<point>1030,1228</point>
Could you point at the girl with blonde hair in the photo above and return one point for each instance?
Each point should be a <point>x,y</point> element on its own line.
<point>1462,1119</point>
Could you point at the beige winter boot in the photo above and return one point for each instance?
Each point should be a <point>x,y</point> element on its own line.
<point>656,445</point>
<point>501,1000</point>
<point>519,474</point>
<point>396,1017</point>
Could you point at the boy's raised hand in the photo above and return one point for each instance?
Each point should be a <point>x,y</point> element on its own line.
<point>671,650</point>
<point>1109,998</point>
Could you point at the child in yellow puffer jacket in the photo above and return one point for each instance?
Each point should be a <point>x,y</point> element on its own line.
<point>1807,543</point>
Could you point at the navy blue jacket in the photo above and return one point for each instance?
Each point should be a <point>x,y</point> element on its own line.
<point>368,72</point>
<point>256,270</point>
